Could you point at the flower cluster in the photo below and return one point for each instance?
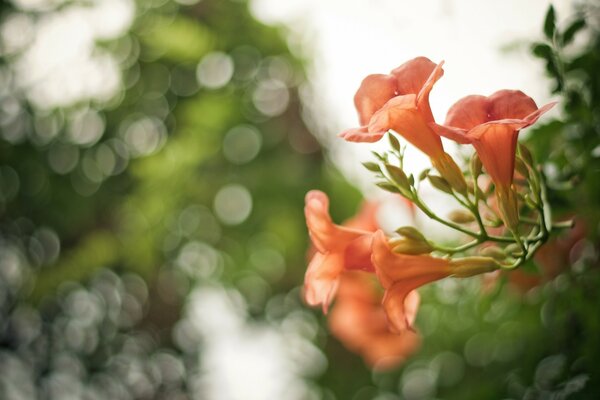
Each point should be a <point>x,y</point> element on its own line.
<point>375,275</point>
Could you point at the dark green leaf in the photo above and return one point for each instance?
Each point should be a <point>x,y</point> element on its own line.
<point>550,23</point>
<point>572,30</point>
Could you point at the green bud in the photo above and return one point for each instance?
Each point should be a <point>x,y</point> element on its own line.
<point>471,266</point>
<point>495,252</point>
<point>411,232</point>
<point>410,246</point>
<point>461,217</point>
<point>476,166</point>
<point>522,168</point>
<point>526,155</point>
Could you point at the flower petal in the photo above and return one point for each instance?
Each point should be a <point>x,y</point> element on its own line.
<point>459,135</point>
<point>393,267</point>
<point>401,115</point>
<point>322,279</point>
<point>374,91</point>
<point>326,235</point>
<point>468,112</point>
<point>423,95</point>
<point>510,104</point>
<point>361,134</point>
<point>412,75</point>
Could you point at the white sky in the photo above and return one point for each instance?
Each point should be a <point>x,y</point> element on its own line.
<point>349,39</point>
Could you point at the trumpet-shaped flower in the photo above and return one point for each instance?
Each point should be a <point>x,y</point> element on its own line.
<point>400,274</point>
<point>492,125</point>
<point>338,248</point>
<point>360,324</point>
<point>400,102</point>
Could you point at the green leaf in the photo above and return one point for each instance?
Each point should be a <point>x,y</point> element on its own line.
<point>394,142</point>
<point>398,176</point>
<point>544,51</point>
<point>388,187</point>
<point>572,30</point>
<point>371,166</point>
<point>440,183</point>
<point>423,175</point>
<point>550,23</point>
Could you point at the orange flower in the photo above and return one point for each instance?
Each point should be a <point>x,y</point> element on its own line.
<point>338,248</point>
<point>399,102</point>
<point>360,324</point>
<point>400,274</point>
<point>492,125</point>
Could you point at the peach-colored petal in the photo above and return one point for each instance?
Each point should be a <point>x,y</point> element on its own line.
<point>496,146</point>
<point>360,324</point>
<point>374,91</point>
<point>398,305</point>
<point>361,135</point>
<point>401,115</point>
<point>326,235</point>
<point>468,112</point>
<point>400,274</point>
<point>366,218</point>
<point>423,95</point>
<point>392,267</point>
<point>459,135</point>
<point>492,125</point>
<point>510,104</point>
<point>358,254</point>
<point>413,74</point>
<point>322,279</point>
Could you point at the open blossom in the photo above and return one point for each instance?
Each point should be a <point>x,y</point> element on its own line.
<point>338,248</point>
<point>492,124</point>
<point>400,274</point>
<point>360,324</point>
<point>400,102</point>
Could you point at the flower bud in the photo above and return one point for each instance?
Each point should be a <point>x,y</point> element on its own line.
<point>451,173</point>
<point>509,208</point>
<point>411,246</point>
<point>461,217</point>
<point>471,266</point>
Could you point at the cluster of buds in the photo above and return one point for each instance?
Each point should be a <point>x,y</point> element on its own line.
<point>500,194</point>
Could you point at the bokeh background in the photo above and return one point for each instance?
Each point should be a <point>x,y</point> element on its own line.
<point>154,157</point>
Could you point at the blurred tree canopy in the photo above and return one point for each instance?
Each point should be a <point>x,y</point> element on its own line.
<point>194,171</point>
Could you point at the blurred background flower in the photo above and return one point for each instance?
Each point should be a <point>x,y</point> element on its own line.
<point>154,157</point>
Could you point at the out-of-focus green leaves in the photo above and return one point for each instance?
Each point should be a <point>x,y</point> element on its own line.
<point>179,38</point>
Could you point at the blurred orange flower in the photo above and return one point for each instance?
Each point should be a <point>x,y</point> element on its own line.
<point>360,324</point>
<point>400,274</point>
<point>338,248</point>
<point>399,102</point>
<point>492,125</point>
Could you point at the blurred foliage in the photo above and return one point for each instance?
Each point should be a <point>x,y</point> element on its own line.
<point>112,211</point>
